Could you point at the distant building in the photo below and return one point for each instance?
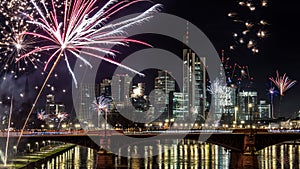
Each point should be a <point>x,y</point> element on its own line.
<point>121,87</point>
<point>88,93</point>
<point>178,109</point>
<point>53,107</point>
<point>264,110</point>
<point>105,88</point>
<point>164,84</point>
<point>247,104</point>
<point>139,100</point>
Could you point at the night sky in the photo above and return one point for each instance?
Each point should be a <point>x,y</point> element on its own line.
<point>279,51</point>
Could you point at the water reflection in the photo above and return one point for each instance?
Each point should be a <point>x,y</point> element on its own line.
<point>188,154</point>
<point>183,155</point>
<point>280,157</point>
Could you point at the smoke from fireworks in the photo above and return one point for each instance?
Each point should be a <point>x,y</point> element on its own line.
<point>253,29</point>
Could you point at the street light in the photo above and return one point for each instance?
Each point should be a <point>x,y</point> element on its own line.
<point>235,114</point>
<point>15,149</point>
<point>37,146</point>
<point>28,145</point>
<point>51,126</point>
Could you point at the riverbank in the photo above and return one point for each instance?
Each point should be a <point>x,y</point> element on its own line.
<point>28,161</point>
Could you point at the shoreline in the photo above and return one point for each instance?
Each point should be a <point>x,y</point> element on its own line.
<point>28,161</point>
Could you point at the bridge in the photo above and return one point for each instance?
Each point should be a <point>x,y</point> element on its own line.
<point>237,140</point>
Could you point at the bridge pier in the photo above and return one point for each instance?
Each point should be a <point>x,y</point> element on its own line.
<point>239,160</point>
<point>104,159</point>
<point>104,143</point>
<point>248,158</point>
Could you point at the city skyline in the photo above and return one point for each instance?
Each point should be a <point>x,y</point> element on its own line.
<point>211,18</point>
<point>207,84</point>
<point>278,51</point>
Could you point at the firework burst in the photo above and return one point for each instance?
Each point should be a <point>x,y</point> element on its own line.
<point>13,42</point>
<point>100,105</point>
<point>252,27</point>
<point>237,75</point>
<point>74,27</point>
<point>283,83</point>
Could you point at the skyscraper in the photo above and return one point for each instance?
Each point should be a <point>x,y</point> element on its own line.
<point>194,82</point>
<point>244,100</point>
<point>88,93</point>
<point>164,84</point>
<point>120,89</point>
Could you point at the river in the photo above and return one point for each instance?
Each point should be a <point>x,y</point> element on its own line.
<point>187,155</point>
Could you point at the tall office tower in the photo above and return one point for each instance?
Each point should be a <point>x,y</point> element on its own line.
<point>88,93</point>
<point>120,90</point>
<point>247,104</point>
<point>105,88</point>
<point>194,82</point>
<point>164,84</point>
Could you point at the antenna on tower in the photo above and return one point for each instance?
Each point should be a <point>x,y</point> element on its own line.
<point>187,33</point>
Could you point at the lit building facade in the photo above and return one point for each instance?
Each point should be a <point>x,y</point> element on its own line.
<point>164,84</point>
<point>53,107</point>
<point>177,103</point>
<point>88,93</point>
<point>120,90</point>
<point>264,110</point>
<point>247,104</point>
<point>105,88</point>
<point>194,82</point>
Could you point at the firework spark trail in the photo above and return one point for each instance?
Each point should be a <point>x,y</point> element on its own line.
<point>79,29</point>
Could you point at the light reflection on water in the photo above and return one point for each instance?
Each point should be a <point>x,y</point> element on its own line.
<point>280,157</point>
<point>174,156</point>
